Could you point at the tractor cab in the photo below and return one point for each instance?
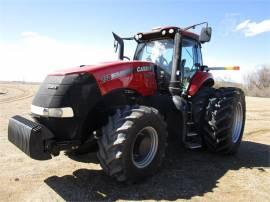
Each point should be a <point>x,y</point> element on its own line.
<point>176,52</point>
<point>161,52</point>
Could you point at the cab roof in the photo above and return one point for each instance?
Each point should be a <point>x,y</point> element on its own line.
<point>165,32</point>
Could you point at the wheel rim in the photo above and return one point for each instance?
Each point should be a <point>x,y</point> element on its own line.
<point>145,147</point>
<point>237,122</point>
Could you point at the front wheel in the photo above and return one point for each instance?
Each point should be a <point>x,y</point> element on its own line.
<point>225,120</point>
<point>133,143</point>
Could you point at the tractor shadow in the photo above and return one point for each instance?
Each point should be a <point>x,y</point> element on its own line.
<point>185,174</point>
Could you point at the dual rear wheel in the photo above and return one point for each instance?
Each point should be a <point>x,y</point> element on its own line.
<point>224,120</point>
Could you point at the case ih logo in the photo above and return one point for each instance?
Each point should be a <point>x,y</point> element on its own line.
<point>144,68</point>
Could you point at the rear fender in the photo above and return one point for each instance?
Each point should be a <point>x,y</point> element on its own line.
<point>200,79</point>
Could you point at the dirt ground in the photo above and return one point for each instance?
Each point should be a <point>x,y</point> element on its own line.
<point>186,175</point>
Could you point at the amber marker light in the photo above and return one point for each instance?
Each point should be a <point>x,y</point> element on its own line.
<point>232,68</point>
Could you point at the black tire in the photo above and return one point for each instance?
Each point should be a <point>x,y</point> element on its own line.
<point>199,103</point>
<point>118,139</point>
<point>225,120</point>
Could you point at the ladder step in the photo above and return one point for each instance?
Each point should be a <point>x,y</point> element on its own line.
<point>190,123</point>
<point>193,145</point>
<point>191,134</point>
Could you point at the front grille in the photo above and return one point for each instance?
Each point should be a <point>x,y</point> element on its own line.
<point>78,91</point>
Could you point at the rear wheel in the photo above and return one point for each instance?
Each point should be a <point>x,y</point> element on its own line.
<point>225,120</point>
<point>133,142</point>
<point>199,103</point>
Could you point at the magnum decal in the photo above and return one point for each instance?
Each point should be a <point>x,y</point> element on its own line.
<point>125,72</point>
<point>116,75</point>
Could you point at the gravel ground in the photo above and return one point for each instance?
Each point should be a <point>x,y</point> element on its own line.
<point>186,175</point>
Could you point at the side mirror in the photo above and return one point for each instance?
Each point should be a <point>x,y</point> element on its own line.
<point>205,35</point>
<point>115,45</point>
<point>118,42</point>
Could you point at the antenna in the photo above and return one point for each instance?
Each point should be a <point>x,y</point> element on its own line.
<point>193,26</point>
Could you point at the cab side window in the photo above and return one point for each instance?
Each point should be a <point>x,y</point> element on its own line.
<point>199,55</point>
<point>189,57</point>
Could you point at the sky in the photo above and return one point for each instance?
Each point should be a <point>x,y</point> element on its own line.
<point>41,36</point>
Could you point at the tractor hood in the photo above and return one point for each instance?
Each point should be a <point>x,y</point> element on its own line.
<point>102,67</point>
<point>108,76</point>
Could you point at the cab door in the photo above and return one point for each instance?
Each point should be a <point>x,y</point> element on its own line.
<point>190,60</point>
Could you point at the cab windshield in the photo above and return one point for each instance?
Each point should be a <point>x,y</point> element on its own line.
<point>159,52</point>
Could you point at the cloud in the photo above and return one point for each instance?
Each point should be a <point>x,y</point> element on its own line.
<point>227,24</point>
<point>250,28</point>
<point>34,55</point>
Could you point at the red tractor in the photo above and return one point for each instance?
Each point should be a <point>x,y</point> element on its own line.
<point>124,110</point>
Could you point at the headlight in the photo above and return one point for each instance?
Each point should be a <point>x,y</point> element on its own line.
<point>171,31</point>
<point>64,112</point>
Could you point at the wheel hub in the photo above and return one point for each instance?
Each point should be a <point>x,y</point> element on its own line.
<point>145,147</point>
<point>237,122</point>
